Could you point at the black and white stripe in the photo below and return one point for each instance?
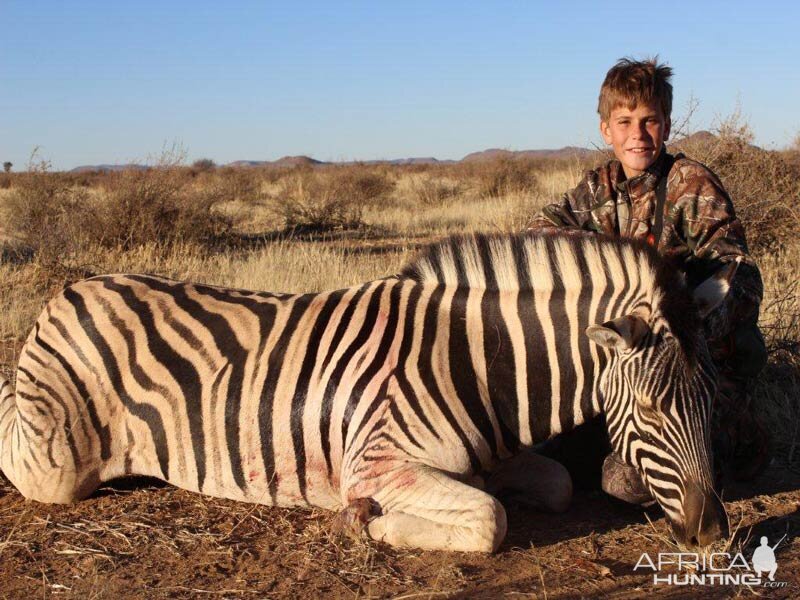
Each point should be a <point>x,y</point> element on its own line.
<point>475,351</point>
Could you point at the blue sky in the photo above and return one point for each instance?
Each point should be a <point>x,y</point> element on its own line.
<point>100,82</point>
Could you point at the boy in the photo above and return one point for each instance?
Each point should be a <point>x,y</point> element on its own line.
<point>680,207</point>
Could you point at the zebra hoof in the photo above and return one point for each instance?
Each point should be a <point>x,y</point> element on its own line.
<point>623,481</point>
<point>352,520</point>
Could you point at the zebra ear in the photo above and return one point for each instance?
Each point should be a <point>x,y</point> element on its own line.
<point>709,294</point>
<point>619,334</point>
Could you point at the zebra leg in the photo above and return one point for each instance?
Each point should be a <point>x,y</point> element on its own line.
<point>353,518</point>
<point>422,507</point>
<point>534,480</point>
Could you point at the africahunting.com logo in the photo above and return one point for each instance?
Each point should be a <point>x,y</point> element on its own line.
<point>716,568</point>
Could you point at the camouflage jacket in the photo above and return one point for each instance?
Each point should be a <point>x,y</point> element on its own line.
<point>698,225</point>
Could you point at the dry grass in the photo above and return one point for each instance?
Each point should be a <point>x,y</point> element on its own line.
<point>500,176</point>
<point>170,543</point>
<point>392,225</point>
<point>286,265</point>
<point>777,389</point>
<point>228,226</point>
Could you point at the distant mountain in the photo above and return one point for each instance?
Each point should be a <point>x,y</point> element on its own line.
<point>495,153</point>
<point>297,161</point>
<point>247,163</point>
<point>286,161</point>
<point>492,153</point>
<point>107,168</point>
<point>302,160</point>
<point>423,160</point>
<point>294,161</point>
<point>698,138</point>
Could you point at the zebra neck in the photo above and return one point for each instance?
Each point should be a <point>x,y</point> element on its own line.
<point>506,365</point>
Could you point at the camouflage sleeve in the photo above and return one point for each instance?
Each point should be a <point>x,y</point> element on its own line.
<point>569,213</point>
<point>714,237</point>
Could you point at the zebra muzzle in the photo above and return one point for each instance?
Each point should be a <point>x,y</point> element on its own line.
<point>705,518</point>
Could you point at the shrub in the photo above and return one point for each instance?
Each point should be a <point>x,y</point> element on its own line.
<point>430,190</point>
<point>503,175</point>
<point>49,216</point>
<point>159,205</point>
<point>364,184</point>
<point>204,164</point>
<point>325,199</point>
<point>239,183</point>
<point>57,218</point>
<point>763,184</point>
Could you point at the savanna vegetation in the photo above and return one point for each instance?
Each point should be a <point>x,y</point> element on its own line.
<point>309,228</point>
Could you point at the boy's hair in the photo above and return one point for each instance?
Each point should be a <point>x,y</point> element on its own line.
<point>630,83</point>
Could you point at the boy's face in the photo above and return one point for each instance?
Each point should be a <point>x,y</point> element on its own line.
<point>637,136</point>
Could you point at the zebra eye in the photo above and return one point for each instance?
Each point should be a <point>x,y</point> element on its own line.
<point>649,410</point>
<point>647,437</point>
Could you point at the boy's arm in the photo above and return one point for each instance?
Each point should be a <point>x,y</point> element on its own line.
<point>572,212</point>
<point>706,220</point>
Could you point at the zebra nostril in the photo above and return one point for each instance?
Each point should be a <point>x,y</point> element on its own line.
<point>705,519</point>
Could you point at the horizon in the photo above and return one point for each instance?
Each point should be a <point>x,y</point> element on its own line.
<point>109,84</point>
<point>153,162</point>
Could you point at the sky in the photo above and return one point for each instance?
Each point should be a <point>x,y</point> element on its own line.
<point>113,82</point>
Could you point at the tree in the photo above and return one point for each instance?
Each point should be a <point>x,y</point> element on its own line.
<point>7,166</point>
<point>204,164</point>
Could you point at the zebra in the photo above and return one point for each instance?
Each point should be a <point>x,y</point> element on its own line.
<point>405,402</point>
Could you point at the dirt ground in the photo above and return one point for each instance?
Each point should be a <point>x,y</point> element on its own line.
<point>146,540</point>
<point>160,542</point>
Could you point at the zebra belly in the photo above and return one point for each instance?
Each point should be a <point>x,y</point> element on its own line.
<point>288,485</point>
<point>247,471</point>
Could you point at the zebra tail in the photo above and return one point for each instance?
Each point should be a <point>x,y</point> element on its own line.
<point>8,414</point>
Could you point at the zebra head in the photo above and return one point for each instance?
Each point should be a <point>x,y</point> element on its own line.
<point>657,397</point>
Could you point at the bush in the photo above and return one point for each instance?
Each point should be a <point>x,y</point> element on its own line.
<point>763,184</point>
<point>504,175</point>
<point>56,218</point>
<point>430,190</point>
<point>240,183</point>
<point>159,205</point>
<point>204,164</point>
<point>49,216</point>
<point>325,199</point>
<point>367,186</point>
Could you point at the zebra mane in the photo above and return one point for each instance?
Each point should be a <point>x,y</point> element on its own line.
<point>511,262</point>
<point>559,261</point>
